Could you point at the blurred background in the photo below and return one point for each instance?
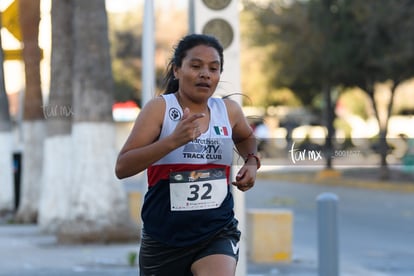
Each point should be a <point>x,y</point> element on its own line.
<point>326,82</point>
<point>329,76</point>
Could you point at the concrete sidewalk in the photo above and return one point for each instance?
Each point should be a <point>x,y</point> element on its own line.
<point>25,251</point>
<point>364,177</point>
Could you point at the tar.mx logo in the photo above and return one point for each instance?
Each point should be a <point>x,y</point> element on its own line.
<point>297,155</point>
<point>50,111</point>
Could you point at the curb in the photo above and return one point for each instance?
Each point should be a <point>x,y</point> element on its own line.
<point>337,178</point>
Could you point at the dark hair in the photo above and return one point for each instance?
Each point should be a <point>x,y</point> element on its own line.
<point>170,84</point>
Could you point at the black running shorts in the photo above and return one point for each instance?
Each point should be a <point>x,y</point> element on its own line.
<point>158,259</point>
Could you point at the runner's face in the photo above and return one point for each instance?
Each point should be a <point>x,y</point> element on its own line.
<point>199,73</point>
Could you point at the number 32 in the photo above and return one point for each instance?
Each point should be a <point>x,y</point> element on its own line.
<point>195,192</point>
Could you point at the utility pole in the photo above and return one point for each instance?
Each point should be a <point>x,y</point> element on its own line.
<point>148,54</point>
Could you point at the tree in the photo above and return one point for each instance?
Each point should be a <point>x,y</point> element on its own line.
<point>54,203</point>
<point>383,53</point>
<point>125,39</point>
<point>296,46</point>
<point>331,43</point>
<point>33,120</point>
<point>6,173</point>
<point>99,210</point>
<point>305,52</point>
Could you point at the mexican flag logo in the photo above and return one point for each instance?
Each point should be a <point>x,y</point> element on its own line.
<point>221,130</point>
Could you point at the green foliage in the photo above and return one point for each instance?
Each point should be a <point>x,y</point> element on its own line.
<point>255,77</point>
<point>126,43</point>
<point>125,37</point>
<point>355,102</point>
<point>124,91</point>
<point>283,96</point>
<point>404,104</point>
<point>292,61</point>
<point>383,42</point>
<point>334,43</point>
<point>344,126</point>
<point>132,258</point>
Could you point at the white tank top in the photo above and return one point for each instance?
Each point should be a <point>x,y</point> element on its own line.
<point>188,184</point>
<point>215,146</point>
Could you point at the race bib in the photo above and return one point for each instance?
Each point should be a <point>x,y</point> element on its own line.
<point>197,190</point>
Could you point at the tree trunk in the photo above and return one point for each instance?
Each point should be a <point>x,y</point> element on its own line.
<point>99,209</point>
<point>383,145</point>
<point>54,203</point>
<point>6,170</point>
<point>384,172</point>
<point>33,121</point>
<point>329,123</point>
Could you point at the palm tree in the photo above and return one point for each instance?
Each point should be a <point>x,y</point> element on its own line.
<point>98,203</point>
<point>6,174</point>
<point>33,120</point>
<point>53,205</point>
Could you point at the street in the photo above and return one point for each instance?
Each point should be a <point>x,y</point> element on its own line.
<point>376,237</point>
<point>376,228</point>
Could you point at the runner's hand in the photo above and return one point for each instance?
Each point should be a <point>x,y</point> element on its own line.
<point>188,128</point>
<point>246,177</point>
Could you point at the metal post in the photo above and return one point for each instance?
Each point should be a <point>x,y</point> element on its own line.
<point>240,213</point>
<point>327,235</point>
<point>148,53</point>
<point>191,19</point>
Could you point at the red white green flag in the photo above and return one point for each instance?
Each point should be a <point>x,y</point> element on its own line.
<point>221,130</point>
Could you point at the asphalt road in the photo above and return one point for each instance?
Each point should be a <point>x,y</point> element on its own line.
<point>376,228</point>
<point>376,237</point>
